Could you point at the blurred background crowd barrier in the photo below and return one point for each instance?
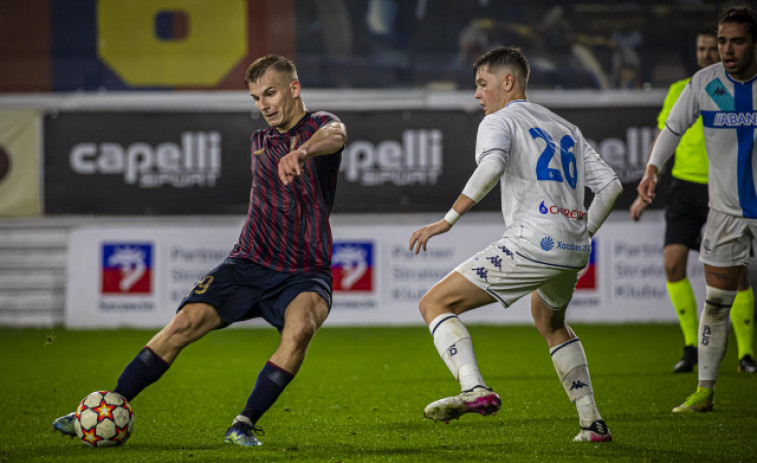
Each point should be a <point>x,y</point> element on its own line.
<point>94,45</point>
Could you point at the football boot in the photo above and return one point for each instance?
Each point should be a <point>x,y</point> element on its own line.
<point>242,432</point>
<point>480,399</point>
<point>597,432</point>
<point>65,424</point>
<point>700,401</point>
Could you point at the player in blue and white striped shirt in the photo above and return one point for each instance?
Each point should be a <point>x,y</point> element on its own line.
<point>725,94</point>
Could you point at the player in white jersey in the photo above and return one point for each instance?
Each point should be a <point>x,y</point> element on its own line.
<point>542,163</point>
<point>725,94</point>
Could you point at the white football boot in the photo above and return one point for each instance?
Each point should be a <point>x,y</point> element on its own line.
<point>477,400</point>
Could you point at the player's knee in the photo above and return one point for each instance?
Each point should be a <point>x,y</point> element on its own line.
<point>188,325</point>
<point>301,335</point>
<point>718,302</point>
<point>430,306</point>
<point>549,326</point>
<point>674,270</point>
<point>425,306</point>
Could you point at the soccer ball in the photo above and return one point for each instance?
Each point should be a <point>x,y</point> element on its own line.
<point>103,419</point>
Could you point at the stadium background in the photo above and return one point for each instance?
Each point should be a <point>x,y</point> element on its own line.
<point>124,128</point>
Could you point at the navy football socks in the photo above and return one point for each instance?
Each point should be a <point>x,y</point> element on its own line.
<point>271,382</point>
<point>143,370</point>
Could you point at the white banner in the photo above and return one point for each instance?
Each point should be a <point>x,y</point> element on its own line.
<point>119,276</point>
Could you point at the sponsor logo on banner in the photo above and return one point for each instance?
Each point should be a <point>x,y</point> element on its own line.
<point>352,266</point>
<point>587,278</point>
<point>194,161</point>
<point>126,268</point>
<point>415,160</point>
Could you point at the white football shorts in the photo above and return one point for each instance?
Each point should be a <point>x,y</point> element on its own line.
<point>507,276</point>
<point>727,239</point>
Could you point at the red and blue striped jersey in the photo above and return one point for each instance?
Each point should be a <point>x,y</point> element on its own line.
<point>287,227</point>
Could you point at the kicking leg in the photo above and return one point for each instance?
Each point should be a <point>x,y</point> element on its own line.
<point>192,322</point>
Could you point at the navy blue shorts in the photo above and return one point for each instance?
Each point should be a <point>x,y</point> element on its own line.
<point>240,289</point>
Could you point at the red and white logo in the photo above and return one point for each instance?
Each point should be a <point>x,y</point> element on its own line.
<point>126,268</point>
<point>557,210</point>
<point>352,264</point>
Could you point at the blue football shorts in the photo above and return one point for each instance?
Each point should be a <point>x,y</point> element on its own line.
<point>240,289</point>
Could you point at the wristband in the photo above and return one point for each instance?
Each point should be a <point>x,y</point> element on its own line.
<point>452,216</point>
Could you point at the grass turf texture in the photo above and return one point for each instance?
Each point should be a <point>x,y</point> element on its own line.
<point>361,393</point>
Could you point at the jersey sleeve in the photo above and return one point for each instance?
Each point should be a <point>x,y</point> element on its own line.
<point>494,138</point>
<point>674,91</point>
<point>324,118</point>
<point>598,174</point>
<point>685,111</point>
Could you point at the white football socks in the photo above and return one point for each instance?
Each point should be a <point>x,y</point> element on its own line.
<point>714,325</point>
<point>453,342</point>
<point>573,370</point>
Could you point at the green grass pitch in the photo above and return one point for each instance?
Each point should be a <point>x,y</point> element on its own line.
<point>361,393</point>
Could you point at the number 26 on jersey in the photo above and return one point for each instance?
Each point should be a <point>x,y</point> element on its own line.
<point>569,173</point>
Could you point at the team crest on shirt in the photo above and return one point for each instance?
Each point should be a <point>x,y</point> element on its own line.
<point>293,143</point>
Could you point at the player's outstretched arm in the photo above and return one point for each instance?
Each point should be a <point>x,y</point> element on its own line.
<point>327,140</point>
<point>420,237</point>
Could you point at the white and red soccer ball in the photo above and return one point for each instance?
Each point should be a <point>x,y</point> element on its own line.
<point>104,419</point>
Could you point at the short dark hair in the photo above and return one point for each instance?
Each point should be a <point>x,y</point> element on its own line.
<point>708,32</point>
<point>278,63</point>
<point>741,14</point>
<point>503,56</point>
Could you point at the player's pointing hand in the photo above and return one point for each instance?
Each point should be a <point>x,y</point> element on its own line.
<point>290,166</point>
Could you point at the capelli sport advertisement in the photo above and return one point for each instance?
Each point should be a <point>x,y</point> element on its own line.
<point>199,163</point>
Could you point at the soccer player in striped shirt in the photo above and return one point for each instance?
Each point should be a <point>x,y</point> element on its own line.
<point>280,269</point>
<point>724,95</point>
